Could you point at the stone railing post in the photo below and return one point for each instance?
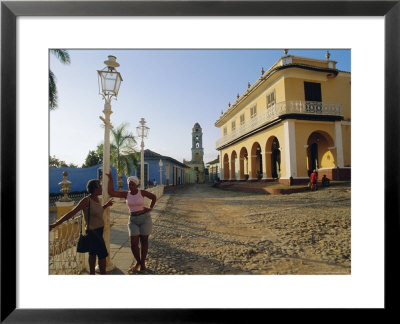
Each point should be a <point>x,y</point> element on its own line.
<point>64,204</point>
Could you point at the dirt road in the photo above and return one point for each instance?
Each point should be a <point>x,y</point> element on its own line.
<point>205,230</point>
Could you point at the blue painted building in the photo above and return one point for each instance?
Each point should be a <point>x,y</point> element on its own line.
<point>172,173</point>
<point>77,176</point>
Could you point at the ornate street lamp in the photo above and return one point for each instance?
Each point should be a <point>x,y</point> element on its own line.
<point>109,83</point>
<point>142,132</point>
<point>160,164</point>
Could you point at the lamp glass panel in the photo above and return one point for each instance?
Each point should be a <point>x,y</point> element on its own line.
<point>145,131</point>
<point>110,82</point>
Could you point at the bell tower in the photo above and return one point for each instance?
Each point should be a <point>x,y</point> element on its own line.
<point>197,163</point>
<point>197,144</point>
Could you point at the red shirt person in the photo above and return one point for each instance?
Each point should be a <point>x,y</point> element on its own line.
<point>313,180</point>
<point>314,177</point>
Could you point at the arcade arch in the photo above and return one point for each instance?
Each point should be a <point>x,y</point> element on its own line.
<point>233,166</point>
<point>320,151</point>
<point>243,164</point>
<point>226,166</point>
<point>273,158</point>
<point>256,161</point>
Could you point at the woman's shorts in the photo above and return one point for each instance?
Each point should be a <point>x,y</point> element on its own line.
<point>140,225</point>
<point>97,245</point>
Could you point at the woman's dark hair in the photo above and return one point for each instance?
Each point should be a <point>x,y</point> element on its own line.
<point>91,185</point>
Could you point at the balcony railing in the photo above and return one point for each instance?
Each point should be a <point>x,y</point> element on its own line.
<point>280,109</point>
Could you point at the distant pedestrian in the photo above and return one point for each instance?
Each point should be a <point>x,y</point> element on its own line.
<point>140,223</point>
<point>313,180</point>
<point>91,204</point>
<point>325,181</point>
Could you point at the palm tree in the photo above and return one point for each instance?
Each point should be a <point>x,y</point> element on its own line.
<point>122,150</point>
<point>64,58</point>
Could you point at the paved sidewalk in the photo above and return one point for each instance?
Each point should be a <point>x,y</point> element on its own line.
<point>120,251</point>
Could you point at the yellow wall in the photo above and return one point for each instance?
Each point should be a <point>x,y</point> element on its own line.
<point>346,137</point>
<point>326,157</point>
<point>334,90</point>
<point>258,98</point>
<point>289,85</point>
<point>261,138</point>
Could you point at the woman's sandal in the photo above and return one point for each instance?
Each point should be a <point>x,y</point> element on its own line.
<point>133,269</point>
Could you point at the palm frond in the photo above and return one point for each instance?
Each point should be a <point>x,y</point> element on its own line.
<point>53,98</point>
<point>62,55</point>
<point>123,149</point>
<point>64,58</point>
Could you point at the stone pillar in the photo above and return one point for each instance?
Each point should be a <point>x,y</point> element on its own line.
<point>63,205</point>
<point>252,167</point>
<point>290,149</point>
<point>266,160</point>
<point>339,144</point>
<point>241,168</point>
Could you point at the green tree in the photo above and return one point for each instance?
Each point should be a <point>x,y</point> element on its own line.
<point>64,58</point>
<point>93,158</point>
<point>123,154</point>
<point>55,162</point>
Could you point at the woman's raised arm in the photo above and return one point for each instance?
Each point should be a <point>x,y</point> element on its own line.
<point>111,191</point>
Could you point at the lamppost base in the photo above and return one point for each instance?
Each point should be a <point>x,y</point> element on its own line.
<point>109,267</point>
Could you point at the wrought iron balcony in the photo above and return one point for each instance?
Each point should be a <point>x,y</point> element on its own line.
<point>278,110</point>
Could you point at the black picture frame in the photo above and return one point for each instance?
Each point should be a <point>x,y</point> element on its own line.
<point>10,10</point>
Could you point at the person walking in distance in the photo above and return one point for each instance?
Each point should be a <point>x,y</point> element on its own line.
<point>140,223</point>
<point>313,180</point>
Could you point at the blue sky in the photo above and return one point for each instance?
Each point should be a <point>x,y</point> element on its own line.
<point>171,89</point>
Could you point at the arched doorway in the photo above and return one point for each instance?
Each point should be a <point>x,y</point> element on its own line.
<point>319,151</point>
<point>243,164</point>
<point>275,159</point>
<point>314,156</point>
<point>226,167</point>
<point>233,167</point>
<point>256,161</point>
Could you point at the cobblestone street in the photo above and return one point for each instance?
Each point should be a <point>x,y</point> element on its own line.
<point>205,230</point>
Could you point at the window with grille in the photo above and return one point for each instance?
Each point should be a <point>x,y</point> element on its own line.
<point>233,125</point>
<point>241,119</point>
<point>253,111</point>
<point>225,131</point>
<point>271,99</point>
<point>313,97</point>
<point>312,91</point>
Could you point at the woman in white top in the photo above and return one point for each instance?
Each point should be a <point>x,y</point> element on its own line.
<point>140,223</point>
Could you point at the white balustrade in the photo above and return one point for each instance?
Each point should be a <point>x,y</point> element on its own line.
<point>283,108</point>
<point>63,258</point>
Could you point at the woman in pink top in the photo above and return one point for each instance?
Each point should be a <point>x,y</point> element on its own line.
<point>140,223</point>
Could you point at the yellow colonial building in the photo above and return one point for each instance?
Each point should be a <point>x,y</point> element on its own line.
<point>295,118</point>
